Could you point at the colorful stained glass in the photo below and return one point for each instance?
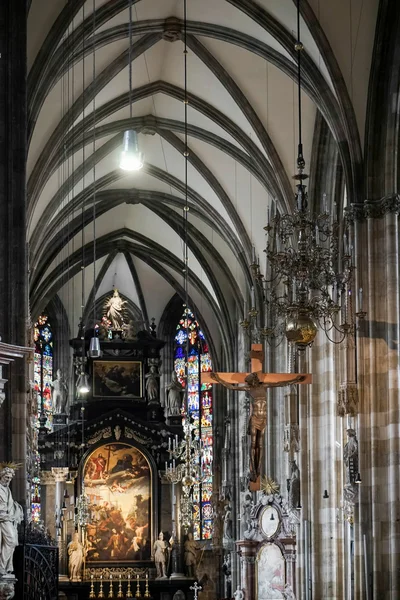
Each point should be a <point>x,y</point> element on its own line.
<point>190,343</point>
<point>43,377</point>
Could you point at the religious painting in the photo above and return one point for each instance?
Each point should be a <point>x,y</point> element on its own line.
<point>117,481</point>
<point>271,574</point>
<point>122,379</point>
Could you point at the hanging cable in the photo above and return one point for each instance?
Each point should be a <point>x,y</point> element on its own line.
<point>299,49</point>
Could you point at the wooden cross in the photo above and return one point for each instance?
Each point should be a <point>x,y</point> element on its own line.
<point>255,383</point>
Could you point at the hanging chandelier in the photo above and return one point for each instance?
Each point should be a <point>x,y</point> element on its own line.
<point>308,281</point>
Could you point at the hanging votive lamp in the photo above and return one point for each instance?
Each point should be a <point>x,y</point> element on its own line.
<point>82,385</point>
<point>94,348</point>
<point>131,158</point>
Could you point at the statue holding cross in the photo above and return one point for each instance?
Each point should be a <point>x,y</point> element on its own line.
<point>255,383</point>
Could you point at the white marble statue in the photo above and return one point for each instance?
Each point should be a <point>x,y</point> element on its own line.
<point>160,556</point>
<point>174,398</point>
<point>114,309</point>
<point>60,393</point>
<point>227,529</point>
<point>76,556</point>
<point>152,384</point>
<point>11,515</point>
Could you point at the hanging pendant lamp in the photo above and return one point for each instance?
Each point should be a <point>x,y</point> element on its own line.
<point>131,158</point>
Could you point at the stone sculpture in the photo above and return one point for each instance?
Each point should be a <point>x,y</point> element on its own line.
<point>258,417</point>
<point>160,556</point>
<point>152,384</point>
<point>76,556</point>
<point>174,398</point>
<point>294,489</point>
<point>190,556</point>
<point>238,595</point>
<point>114,309</point>
<point>227,530</point>
<point>11,515</point>
<point>60,393</point>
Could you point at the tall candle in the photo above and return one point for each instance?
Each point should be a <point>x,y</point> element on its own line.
<point>360,299</point>
<point>253,302</point>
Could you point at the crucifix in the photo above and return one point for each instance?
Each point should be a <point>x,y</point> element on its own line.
<point>256,383</point>
<point>197,588</point>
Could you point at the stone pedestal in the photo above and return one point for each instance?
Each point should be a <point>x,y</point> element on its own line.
<point>247,550</point>
<point>7,588</point>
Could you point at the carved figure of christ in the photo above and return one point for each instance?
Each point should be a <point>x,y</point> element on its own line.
<point>255,383</point>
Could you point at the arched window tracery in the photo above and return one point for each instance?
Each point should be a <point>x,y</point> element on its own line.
<point>190,339</point>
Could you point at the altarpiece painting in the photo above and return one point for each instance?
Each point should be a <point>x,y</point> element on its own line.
<point>117,479</point>
<point>270,572</point>
<point>120,379</point>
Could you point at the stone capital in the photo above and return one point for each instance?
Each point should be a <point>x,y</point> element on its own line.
<point>374,209</point>
<point>59,473</point>
<point>46,478</point>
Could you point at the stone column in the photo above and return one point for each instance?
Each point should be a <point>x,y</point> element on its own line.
<point>13,264</point>
<point>48,500</point>
<point>60,476</point>
<point>247,550</point>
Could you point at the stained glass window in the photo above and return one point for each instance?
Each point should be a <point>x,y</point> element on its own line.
<point>43,369</point>
<point>43,377</point>
<point>190,339</point>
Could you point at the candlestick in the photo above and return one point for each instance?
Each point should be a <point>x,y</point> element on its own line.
<point>101,593</point>
<point>146,592</point>
<point>111,591</point>
<point>128,589</point>
<point>138,594</point>
<point>120,592</point>
<point>92,592</point>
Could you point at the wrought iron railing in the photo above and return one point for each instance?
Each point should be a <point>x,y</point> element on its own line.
<point>36,569</point>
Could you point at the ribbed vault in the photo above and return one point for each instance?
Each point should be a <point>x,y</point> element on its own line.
<point>242,137</point>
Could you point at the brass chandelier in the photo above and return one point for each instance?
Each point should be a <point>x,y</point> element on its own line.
<point>309,275</point>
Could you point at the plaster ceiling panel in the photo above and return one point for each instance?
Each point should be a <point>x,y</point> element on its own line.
<point>119,276</point>
<point>222,248</point>
<point>155,9</point>
<point>169,108</point>
<point>203,84</point>
<point>176,166</point>
<point>249,198</point>
<point>285,12</point>
<point>56,103</point>
<point>142,181</point>
<point>194,268</point>
<point>273,96</point>
<point>141,108</point>
<point>350,29</point>
<point>71,296</point>
<point>41,17</point>
<point>156,290</point>
<point>223,13</point>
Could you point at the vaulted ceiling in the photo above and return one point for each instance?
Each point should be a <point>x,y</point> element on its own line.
<point>242,137</point>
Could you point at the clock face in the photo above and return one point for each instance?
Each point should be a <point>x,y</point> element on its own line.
<point>269,521</point>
